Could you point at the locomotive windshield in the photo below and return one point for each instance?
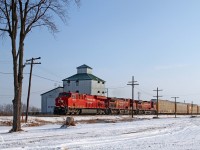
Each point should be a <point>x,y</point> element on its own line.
<point>64,94</point>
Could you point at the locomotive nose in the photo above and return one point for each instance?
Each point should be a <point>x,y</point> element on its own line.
<point>60,100</point>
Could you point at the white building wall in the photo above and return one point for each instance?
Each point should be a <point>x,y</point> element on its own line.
<point>98,88</point>
<point>83,86</point>
<point>48,100</point>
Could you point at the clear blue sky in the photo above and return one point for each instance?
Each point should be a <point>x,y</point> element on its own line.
<point>156,41</point>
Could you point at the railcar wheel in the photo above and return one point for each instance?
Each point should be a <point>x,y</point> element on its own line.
<point>98,112</point>
<point>79,111</point>
<point>118,111</point>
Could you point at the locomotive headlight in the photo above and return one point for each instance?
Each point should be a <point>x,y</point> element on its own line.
<point>60,101</point>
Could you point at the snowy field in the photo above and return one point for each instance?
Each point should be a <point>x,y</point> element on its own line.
<point>106,133</point>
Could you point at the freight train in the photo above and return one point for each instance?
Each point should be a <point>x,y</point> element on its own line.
<point>75,103</point>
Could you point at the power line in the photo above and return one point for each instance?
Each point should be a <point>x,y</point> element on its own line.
<point>48,71</point>
<point>11,73</point>
<point>144,91</point>
<point>118,87</point>
<point>41,91</point>
<point>185,94</point>
<point>6,95</point>
<point>8,73</point>
<point>6,61</point>
<point>35,92</point>
<point>46,78</point>
<point>5,73</point>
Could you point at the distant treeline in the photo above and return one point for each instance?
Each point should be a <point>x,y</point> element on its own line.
<point>7,109</point>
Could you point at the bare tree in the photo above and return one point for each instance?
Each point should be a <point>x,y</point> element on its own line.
<point>34,109</point>
<point>17,19</point>
<point>6,109</point>
<point>23,107</point>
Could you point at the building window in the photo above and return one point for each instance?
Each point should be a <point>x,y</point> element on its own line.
<point>103,92</point>
<point>77,91</point>
<point>68,83</point>
<point>77,82</point>
<point>103,82</point>
<point>98,92</point>
<point>73,96</point>
<point>98,81</point>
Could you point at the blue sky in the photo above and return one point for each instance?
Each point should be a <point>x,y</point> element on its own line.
<point>156,41</point>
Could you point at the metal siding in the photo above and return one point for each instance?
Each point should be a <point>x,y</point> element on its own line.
<point>43,107</point>
<point>50,105</point>
<point>181,108</point>
<point>53,94</point>
<point>165,106</point>
<point>98,87</point>
<point>83,87</point>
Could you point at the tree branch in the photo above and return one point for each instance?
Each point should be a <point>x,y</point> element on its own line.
<point>37,16</point>
<point>7,15</point>
<point>4,30</point>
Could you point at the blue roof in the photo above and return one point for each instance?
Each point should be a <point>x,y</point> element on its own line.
<point>52,90</point>
<point>84,66</point>
<point>83,76</point>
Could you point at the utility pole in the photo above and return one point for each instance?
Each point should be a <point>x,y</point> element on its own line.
<point>175,104</point>
<point>157,96</point>
<point>132,83</point>
<point>30,62</point>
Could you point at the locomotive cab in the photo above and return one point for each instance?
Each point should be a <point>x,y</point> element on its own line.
<point>61,103</point>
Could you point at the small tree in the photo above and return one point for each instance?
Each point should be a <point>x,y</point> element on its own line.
<point>18,18</point>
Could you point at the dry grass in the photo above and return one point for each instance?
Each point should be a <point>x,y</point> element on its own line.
<point>36,122</point>
<point>39,121</point>
<point>30,123</point>
<point>104,120</point>
<point>5,123</point>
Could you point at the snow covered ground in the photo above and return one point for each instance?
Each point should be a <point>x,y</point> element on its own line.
<point>165,133</point>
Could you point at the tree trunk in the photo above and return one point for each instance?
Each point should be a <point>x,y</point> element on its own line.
<point>17,64</point>
<point>17,94</point>
<point>17,113</point>
<point>18,77</point>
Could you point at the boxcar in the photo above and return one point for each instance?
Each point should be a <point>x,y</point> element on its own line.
<point>166,107</point>
<point>181,108</point>
<point>192,109</point>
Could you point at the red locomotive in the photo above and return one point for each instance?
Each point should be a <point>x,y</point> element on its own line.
<point>75,103</point>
